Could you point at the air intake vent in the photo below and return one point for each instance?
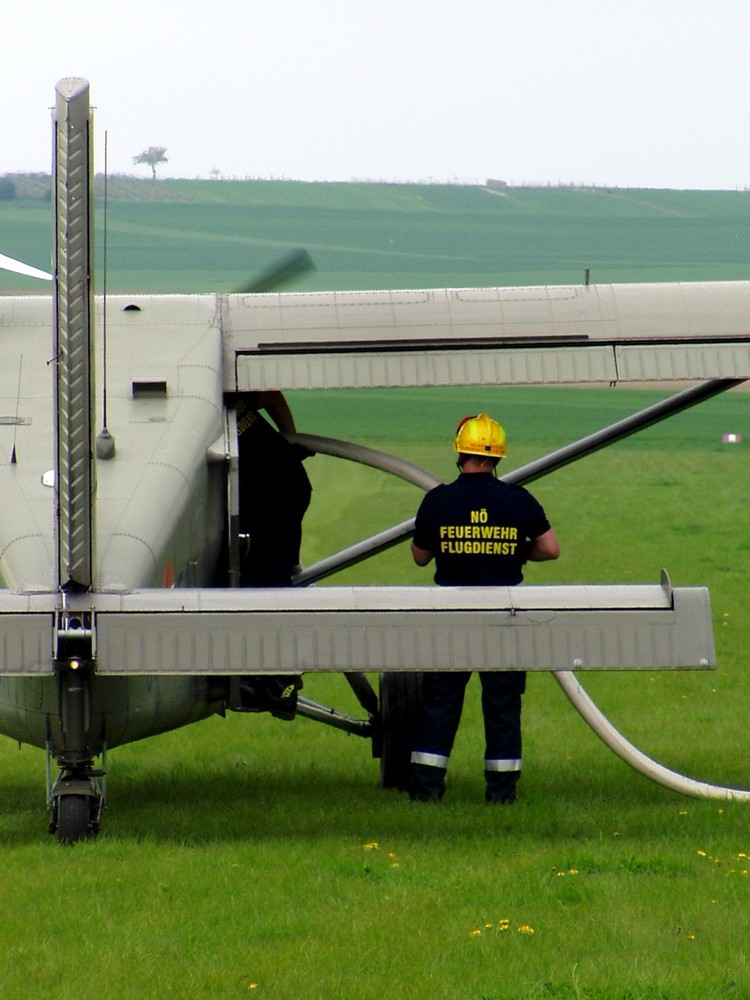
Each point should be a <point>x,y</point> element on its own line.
<point>154,389</point>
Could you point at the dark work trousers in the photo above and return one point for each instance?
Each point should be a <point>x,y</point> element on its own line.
<point>437,724</point>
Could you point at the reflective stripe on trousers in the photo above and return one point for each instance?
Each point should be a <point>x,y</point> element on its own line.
<point>503,765</point>
<point>438,760</point>
<point>429,759</point>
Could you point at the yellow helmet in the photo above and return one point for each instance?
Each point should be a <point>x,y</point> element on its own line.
<point>480,435</point>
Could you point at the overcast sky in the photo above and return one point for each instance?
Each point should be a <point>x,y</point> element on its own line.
<point>643,93</point>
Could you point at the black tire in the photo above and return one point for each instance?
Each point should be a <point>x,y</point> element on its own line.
<point>400,695</point>
<point>73,818</point>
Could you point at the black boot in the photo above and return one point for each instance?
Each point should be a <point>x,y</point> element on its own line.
<point>271,693</point>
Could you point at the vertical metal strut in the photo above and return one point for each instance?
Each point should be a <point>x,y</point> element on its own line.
<point>73,346</point>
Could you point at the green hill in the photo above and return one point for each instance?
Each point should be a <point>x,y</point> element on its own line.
<point>201,235</point>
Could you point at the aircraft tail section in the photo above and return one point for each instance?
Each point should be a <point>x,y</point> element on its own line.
<point>73,338</point>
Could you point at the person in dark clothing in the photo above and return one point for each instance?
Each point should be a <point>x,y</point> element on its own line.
<point>274,493</point>
<point>275,490</point>
<point>480,531</point>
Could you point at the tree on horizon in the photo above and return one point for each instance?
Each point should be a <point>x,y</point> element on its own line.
<point>152,156</point>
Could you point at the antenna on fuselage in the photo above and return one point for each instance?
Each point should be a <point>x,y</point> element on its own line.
<point>13,456</point>
<point>105,443</point>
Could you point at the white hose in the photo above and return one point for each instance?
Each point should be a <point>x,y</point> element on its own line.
<point>366,456</point>
<point>635,757</point>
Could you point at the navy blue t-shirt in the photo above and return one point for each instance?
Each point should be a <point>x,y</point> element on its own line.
<point>478,529</point>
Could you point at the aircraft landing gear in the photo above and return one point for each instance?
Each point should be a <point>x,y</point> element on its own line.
<point>73,818</point>
<point>77,798</point>
<point>76,806</point>
<point>390,726</point>
<point>400,695</point>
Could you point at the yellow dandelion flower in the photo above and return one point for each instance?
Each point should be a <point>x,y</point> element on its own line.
<point>475,933</point>
<point>701,854</point>
<point>373,845</point>
<point>573,871</point>
<point>691,937</point>
<point>525,929</point>
<point>488,924</point>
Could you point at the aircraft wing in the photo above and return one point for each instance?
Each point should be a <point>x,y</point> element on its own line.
<point>488,336</point>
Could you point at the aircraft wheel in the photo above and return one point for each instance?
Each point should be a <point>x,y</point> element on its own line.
<point>73,818</point>
<point>400,695</point>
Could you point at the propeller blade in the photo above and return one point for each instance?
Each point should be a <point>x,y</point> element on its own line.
<point>286,268</point>
<point>9,264</point>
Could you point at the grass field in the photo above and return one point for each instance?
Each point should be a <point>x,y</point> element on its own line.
<point>250,857</point>
<point>177,236</point>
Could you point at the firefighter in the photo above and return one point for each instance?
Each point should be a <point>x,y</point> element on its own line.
<point>274,488</point>
<point>480,531</point>
<point>274,493</point>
